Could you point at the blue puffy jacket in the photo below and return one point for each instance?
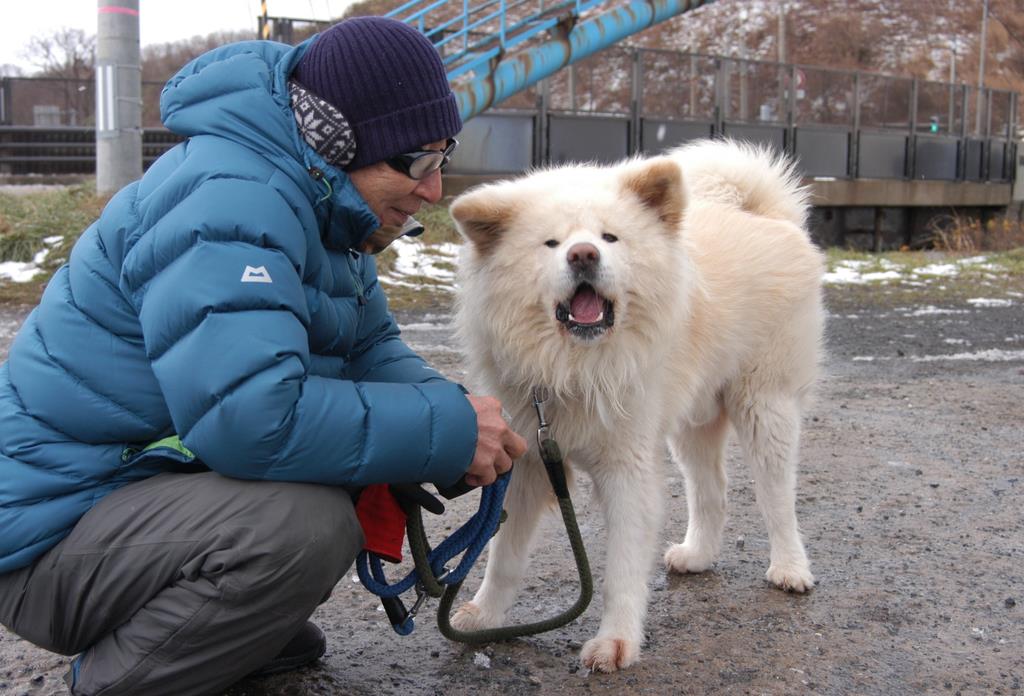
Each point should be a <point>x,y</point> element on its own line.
<point>216,316</point>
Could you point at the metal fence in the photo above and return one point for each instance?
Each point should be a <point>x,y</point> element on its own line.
<point>836,123</point>
<point>53,102</point>
<point>48,125</point>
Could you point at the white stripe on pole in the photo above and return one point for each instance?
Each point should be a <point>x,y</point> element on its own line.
<point>106,98</point>
<point>99,98</point>
<point>111,97</point>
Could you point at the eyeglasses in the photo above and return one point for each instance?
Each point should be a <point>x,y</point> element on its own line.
<point>421,164</point>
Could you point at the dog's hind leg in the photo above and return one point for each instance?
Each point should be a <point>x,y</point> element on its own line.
<point>630,490</point>
<point>529,496</point>
<point>768,427</point>
<point>697,451</point>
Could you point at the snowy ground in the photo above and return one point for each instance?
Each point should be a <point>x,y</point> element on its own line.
<point>24,271</point>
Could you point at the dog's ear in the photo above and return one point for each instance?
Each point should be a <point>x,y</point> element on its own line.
<point>481,216</point>
<point>658,183</point>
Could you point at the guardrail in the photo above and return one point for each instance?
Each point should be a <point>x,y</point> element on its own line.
<point>66,150</point>
<point>835,123</point>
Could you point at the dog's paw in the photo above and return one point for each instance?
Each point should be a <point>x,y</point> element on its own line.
<point>683,558</point>
<point>792,577</point>
<point>470,617</point>
<point>609,654</point>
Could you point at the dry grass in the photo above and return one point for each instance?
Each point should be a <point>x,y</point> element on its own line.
<point>961,234</point>
<point>27,219</point>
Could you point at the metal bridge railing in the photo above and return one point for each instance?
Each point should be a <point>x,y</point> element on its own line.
<point>471,35</point>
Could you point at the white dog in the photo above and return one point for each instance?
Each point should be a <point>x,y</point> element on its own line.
<point>658,300</point>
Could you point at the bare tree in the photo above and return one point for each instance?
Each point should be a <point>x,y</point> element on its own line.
<point>65,52</point>
<point>163,60</point>
<point>66,57</point>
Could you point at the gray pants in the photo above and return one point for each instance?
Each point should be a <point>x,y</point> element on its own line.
<point>183,583</point>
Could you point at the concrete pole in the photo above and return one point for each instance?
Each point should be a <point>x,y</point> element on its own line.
<point>744,68</point>
<point>952,81</point>
<point>780,116</point>
<point>981,70</point>
<point>118,95</point>
<point>782,32</point>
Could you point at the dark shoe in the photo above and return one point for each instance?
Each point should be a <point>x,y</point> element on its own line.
<point>308,645</point>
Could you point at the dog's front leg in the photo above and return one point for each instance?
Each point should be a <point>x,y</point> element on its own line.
<point>631,496</point>
<point>529,495</point>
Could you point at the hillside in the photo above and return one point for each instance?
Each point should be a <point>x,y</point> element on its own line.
<point>904,37</point>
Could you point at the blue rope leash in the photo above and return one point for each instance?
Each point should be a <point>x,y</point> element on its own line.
<point>469,540</point>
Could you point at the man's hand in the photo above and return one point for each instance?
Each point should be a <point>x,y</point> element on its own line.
<point>496,443</point>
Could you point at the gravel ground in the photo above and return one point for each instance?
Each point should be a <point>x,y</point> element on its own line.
<point>911,496</point>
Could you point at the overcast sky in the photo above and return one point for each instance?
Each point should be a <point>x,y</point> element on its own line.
<point>161,21</point>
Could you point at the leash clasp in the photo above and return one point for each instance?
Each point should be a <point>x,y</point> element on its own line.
<point>540,396</point>
<point>421,596</point>
<point>422,593</point>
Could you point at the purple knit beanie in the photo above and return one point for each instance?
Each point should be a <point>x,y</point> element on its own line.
<point>387,80</point>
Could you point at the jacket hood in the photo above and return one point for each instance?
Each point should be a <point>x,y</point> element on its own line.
<point>240,92</point>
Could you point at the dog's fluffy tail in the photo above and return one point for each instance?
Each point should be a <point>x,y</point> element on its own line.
<point>749,177</point>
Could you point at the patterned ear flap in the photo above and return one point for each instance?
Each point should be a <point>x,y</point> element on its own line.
<point>323,127</point>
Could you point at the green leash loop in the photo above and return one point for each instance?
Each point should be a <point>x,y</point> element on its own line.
<point>420,549</point>
<point>431,586</point>
<point>488,635</point>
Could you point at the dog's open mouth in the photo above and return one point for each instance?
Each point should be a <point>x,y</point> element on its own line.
<point>587,314</point>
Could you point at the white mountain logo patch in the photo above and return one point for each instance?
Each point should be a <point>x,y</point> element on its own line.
<point>257,274</point>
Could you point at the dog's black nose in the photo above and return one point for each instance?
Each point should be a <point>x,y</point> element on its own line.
<point>583,257</point>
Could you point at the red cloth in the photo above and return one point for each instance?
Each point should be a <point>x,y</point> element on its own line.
<point>383,522</point>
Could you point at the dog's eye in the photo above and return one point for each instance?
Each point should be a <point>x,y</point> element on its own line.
<point>609,238</point>
<point>551,243</point>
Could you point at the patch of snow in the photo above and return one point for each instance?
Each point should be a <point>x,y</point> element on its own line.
<point>426,326</point>
<point>414,261</point>
<point>953,267</point>
<point>991,355</point>
<point>387,280</point>
<point>937,269</point>
<point>989,302</point>
<point>930,310</point>
<point>433,348</point>
<point>881,275</point>
<point>850,271</point>
<point>24,271</point>
<point>843,274</point>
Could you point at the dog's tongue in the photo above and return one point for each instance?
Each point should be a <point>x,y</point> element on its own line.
<point>586,306</point>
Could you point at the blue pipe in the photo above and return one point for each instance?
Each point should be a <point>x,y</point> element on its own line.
<point>525,68</point>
